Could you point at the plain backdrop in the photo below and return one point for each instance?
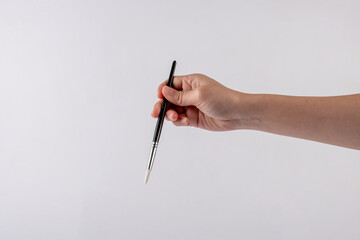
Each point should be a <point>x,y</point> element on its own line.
<point>78,82</point>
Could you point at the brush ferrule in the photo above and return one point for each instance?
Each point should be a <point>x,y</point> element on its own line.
<point>152,154</point>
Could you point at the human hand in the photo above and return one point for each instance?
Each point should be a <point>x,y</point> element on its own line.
<point>199,101</point>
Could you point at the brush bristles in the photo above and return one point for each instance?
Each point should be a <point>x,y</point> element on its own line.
<point>147,175</point>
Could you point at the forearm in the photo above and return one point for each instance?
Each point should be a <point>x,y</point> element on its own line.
<point>332,120</point>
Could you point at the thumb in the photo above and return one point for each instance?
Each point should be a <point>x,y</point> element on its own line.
<point>180,98</point>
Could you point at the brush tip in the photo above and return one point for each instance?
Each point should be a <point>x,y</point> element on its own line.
<point>147,175</point>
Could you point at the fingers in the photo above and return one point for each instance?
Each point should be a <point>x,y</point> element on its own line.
<point>156,110</point>
<point>177,99</point>
<point>159,90</point>
<point>180,98</point>
<point>177,84</point>
<point>177,115</point>
<point>171,113</point>
<point>182,120</point>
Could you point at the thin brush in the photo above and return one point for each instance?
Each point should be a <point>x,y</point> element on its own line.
<point>159,125</point>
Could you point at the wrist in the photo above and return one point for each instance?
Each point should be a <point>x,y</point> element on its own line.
<point>248,111</point>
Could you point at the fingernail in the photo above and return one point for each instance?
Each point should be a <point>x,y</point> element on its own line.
<point>168,90</point>
<point>184,120</point>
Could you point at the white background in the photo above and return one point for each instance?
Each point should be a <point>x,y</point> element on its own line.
<point>78,81</point>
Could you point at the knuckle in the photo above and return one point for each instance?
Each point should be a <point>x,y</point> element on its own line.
<point>200,93</point>
<point>198,75</point>
<point>179,98</point>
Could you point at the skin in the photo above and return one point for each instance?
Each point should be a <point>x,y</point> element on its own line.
<point>199,101</point>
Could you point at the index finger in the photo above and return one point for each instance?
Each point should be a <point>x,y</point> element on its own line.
<point>177,84</point>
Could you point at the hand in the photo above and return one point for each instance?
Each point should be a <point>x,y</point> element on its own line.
<point>199,101</point>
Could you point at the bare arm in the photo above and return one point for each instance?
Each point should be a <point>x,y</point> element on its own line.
<point>332,120</point>
<point>202,102</point>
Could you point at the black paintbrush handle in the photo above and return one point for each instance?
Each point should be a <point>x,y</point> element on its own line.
<point>160,120</point>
